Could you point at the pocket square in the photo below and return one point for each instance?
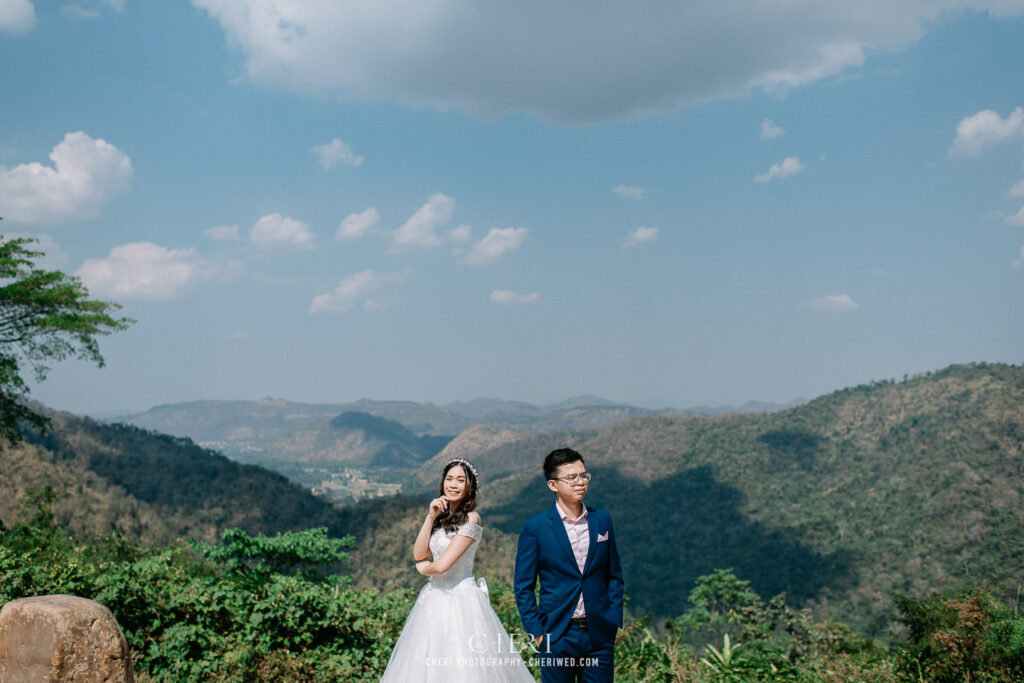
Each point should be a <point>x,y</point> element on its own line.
<point>601,538</point>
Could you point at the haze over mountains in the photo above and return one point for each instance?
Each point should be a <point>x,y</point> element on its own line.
<point>273,429</point>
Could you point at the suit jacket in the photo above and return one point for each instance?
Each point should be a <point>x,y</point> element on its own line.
<point>545,552</point>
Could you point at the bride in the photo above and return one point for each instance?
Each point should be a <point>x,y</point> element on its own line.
<point>452,635</point>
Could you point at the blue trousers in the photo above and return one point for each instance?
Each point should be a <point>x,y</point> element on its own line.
<point>575,658</point>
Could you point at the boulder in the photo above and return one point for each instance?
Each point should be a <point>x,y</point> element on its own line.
<point>62,638</point>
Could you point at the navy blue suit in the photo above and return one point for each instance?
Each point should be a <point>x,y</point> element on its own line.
<point>545,552</point>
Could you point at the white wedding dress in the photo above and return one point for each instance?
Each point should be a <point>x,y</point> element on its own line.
<point>452,635</point>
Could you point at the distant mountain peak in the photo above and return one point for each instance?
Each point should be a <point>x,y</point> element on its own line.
<point>353,419</point>
<point>482,406</point>
<point>586,400</point>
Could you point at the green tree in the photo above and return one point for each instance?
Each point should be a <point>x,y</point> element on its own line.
<point>46,316</point>
<point>305,553</point>
<point>721,593</point>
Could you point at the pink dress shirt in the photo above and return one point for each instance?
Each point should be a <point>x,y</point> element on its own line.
<point>579,538</point>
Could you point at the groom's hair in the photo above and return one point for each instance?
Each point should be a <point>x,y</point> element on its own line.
<point>558,457</point>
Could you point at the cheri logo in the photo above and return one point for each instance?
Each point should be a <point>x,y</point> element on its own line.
<point>512,643</point>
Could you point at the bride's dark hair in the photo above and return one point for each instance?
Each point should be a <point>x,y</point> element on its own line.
<point>449,520</point>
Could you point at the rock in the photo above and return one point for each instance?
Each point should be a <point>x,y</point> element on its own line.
<point>62,638</point>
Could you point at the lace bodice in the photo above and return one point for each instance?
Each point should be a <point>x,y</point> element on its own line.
<point>463,567</point>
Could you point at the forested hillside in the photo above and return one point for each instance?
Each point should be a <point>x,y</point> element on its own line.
<point>152,486</point>
<point>907,486</point>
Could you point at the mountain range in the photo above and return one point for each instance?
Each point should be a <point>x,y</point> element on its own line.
<point>354,439</point>
<point>280,431</point>
<point>889,487</point>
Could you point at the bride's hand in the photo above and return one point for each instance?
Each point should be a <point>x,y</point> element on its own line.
<point>437,506</point>
<point>422,567</point>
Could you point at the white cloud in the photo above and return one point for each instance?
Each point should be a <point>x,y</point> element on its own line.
<point>1019,263</point>
<point>462,233</point>
<point>770,131</point>
<point>629,192</point>
<point>614,59</point>
<point>223,233</point>
<point>355,225</point>
<point>336,152</point>
<point>640,236</point>
<point>498,242</point>
<point>143,270</point>
<point>987,128</point>
<point>833,303</point>
<point>783,169</point>
<point>421,228</point>
<point>357,287</point>
<point>1017,190</point>
<point>1016,219</point>
<point>17,16</point>
<point>504,296</point>
<point>275,230</point>
<point>86,174</point>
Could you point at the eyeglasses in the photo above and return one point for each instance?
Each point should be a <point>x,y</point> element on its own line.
<point>573,478</point>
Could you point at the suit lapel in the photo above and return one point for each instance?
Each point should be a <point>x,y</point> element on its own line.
<point>592,532</point>
<point>558,529</point>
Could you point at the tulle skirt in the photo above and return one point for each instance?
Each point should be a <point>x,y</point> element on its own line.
<point>453,636</point>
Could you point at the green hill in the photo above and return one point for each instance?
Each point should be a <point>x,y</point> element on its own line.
<point>909,487</point>
<point>152,486</point>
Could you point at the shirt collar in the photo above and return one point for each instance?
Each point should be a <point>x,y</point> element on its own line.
<point>565,515</point>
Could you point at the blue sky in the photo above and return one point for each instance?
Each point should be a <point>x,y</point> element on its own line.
<point>665,204</point>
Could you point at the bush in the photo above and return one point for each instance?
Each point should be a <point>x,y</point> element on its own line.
<point>249,608</point>
<point>268,608</point>
<point>967,636</point>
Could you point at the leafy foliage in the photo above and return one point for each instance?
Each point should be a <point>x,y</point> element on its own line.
<point>257,557</point>
<point>967,636</point>
<point>731,634</point>
<point>46,316</point>
<point>209,616</point>
<point>250,609</point>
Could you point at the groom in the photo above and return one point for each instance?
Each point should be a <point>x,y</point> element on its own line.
<point>571,548</point>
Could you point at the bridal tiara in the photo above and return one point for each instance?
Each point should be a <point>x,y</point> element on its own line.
<point>464,463</point>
